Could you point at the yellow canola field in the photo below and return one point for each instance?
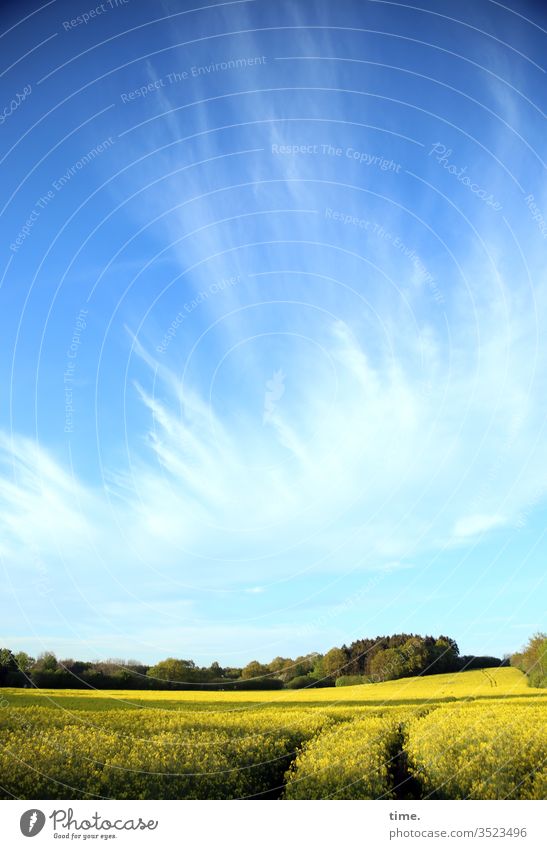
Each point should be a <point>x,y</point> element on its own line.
<point>463,685</point>
<point>350,761</point>
<point>476,734</point>
<point>480,751</point>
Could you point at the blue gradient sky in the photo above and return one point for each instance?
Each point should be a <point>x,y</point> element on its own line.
<point>273,364</point>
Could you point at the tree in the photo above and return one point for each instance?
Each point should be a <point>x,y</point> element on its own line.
<point>443,656</point>
<point>24,661</point>
<point>415,656</point>
<point>305,663</point>
<point>173,670</point>
<point>283,668</point>
<point>254,669</point>
<point>334,662</point>
<point>216,670</point>
<point>387,664</point>
<point>232,672</point>
<point>318,670</point>
<point>380,658</point>
<point>360,653</point>
<point>533,660</point>
<point>46,662</point>
<point>6,658</point>
<point>7,664</point>
<point>46,673</point>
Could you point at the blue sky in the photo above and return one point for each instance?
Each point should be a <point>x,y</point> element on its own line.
<point>273,369</point>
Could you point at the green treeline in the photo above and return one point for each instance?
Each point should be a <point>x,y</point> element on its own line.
<point>364,661</point>
<point>533,660</point>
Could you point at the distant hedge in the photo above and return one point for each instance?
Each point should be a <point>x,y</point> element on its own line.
<point>470,661</point>
<point>302,682</point>
<point>63,680</point>
<point>351,680</point>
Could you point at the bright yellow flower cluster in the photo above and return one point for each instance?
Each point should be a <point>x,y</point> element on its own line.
<point>160,754</point>
<point>481,751</point>
<point>432,688</point>
<point>464,735</point>
<point>353,760</point>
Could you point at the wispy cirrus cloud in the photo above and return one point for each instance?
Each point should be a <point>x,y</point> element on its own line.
<point>371,455</point>
<point>410,453</point>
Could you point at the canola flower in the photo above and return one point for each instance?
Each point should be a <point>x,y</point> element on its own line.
<point>462,685</point>
<point>150,754</point>
<point>464,735</point>
<point>351,761</point>
<point>481,751</point>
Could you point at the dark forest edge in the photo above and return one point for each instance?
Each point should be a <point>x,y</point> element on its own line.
<point>365,661</point>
